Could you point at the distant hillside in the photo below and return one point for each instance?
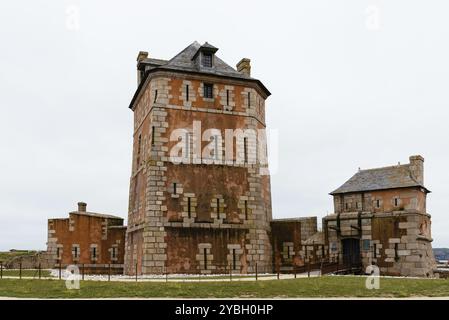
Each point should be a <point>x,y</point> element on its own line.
<point>441,253</point>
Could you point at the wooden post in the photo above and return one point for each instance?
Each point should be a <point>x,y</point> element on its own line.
<point>1,269</point>
<point>60,267</point>
<point>82,271</point>
<point>39,270</point>
<point>166,275</point>
<point>294,270</point>
<point>109,272</point>
<point>20,270</point>
<point>136,271</point>
<point>308,269</point>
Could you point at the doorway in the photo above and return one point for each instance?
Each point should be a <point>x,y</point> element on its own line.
<point>351,251</point>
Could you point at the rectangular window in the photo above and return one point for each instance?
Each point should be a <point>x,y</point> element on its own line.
<point>205,258</point>
<point>208,91</point>
<point>58,253</point>
<point>396,247</point>
<point>396,202</point>
<point>227,97</point>
<point>152,135</point>
<point>218,208</point>
<point>245,149</point>
<point>189,207</point>
<point>249,99</point>
<point>187,92</point>
<point>94,253</point>
<point>75,252</point>
<point>374,250</point>
<point>366,244</point>
<point>378,204</point>
<point>174,188</point>
<point>155,96</point>
<point>207,60</point>
<point>234,260</point>
<point>114,253</point>
<point>246,209</point>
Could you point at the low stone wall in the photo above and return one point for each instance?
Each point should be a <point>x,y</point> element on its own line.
<point>32,261</point>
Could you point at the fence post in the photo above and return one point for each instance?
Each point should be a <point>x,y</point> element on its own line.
<point>20,270</point>
<point>166,274</point>
<point>60,267</point>
<point>109,272</point>
<point>39,270</point>
<point>256,271</point>
<point>321,267</point>
<point>308,269</point>
<point>82,272</point>
<point>1,269</point>
<point>294,270</point>
<point>136,271</point>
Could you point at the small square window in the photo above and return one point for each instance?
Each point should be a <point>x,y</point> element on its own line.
<point>208,91</point>
<point>207,60</point>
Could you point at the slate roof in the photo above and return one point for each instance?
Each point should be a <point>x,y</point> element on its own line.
<point>379,179</point>
<point>97,215</point>
<point>184,62</point>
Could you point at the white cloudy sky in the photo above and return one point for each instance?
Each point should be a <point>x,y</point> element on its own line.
<point>355,83</point>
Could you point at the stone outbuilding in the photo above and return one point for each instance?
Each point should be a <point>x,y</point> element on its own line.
<point>381,218</point>
<point>94,240</point>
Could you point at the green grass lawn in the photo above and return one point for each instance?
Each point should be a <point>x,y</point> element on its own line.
<point>26,273</point>
<point>313,287</point>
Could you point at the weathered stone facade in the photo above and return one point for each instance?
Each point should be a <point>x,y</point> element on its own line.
<point>380,218</point>
<point>85,238</point>
<point>211,210</point>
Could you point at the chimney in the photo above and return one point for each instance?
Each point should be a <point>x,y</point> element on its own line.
<point>417,168</point>
<point>142,55</point>
<point>244,66</point>
<point>82,206</point>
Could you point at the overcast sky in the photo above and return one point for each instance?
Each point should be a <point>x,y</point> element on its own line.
<point>355,83</point>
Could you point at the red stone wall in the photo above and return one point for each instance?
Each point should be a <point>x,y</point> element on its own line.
<point>85,230</point>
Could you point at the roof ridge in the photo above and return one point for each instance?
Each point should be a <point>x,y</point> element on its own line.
<point>386,167</point>
<point>193,44</point>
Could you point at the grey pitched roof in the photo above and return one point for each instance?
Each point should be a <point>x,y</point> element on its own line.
<point>97,215</point>
<point>184,62</point>
<point>379,179</point>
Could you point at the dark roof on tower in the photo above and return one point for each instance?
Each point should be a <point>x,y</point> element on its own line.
<point>184,62</point>
<point>392,177</point>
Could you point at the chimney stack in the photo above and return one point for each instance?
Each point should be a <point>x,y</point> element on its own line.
<point>82,206</point>
<point>142,55</point>
<point>244,66</point>
<point>417,168</point>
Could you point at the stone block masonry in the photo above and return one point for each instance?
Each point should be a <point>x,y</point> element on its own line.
<point>198,216</point>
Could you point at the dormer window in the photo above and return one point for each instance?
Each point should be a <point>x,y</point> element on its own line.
<point>206,60</point>
<point>204,57</point>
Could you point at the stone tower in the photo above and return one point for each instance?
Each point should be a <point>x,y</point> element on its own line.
<point>200,197</point>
